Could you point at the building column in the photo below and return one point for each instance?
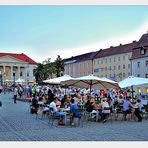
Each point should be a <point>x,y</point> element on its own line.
<point>25,74</point>
<point>11,72</point>
<point>18,72</point>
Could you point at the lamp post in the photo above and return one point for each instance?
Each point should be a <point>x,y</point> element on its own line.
<point>14,77</point>
<point>1,78</point>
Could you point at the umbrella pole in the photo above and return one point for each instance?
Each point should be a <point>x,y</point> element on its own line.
<point>132,92</point>
<point>90,89</point>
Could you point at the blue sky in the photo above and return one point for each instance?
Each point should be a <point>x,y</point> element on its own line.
<point>44,32</point>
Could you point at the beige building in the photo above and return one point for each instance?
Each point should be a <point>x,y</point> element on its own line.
<point>80,65</point>
<point>114,62</point>
<point>15,66</point>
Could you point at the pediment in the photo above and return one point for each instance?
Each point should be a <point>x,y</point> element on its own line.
<point>10,59</point>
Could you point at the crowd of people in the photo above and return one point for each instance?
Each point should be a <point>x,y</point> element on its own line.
<point>103,101</point>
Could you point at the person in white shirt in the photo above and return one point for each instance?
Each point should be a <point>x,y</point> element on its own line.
<point>105,109</point>
<point>1,88</point>
<point>56,110</point>
<point>138,109</point>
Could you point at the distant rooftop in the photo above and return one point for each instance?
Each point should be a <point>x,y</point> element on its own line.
<point>21,56</point>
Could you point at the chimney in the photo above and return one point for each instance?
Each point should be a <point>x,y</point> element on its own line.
<point>134,41</point>
<point>120,44</point>
<point>111,46</point>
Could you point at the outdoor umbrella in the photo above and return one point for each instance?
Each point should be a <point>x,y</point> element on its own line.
<point>132,81</point>
<point>91,81</point>
<point>58,80</point>
<point>20,80</point>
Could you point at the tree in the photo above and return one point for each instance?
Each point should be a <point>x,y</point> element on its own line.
<point>59,66</point>
<point>47,68</point>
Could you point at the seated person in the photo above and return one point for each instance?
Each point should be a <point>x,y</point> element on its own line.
<point>56,110</point>
<point>74,110</point>
<point>89,104</point>
<point>34,104</point>
<point>105,109</point>
<point>64,101</point>
<point>127,106</point>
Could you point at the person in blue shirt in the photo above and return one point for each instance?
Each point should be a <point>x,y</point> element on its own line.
<point>127,106</point>
<point>74,110</point>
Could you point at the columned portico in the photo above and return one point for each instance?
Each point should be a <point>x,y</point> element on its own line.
<point>20,64</point>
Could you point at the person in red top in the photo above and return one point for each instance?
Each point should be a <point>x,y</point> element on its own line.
<point>124,94</point>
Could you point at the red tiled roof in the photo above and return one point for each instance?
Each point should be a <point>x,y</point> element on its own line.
<point>22,57</point>
<point>143,41</point>
<point>115,50</point>
<point>82,57</point>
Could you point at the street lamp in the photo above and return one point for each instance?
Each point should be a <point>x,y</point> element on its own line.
<point>14,77</point>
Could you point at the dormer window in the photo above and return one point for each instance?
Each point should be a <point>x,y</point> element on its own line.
<point>142,51</point>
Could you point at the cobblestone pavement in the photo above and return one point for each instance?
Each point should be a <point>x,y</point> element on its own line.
<point>17,124</point>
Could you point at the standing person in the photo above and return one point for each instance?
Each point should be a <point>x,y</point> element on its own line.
<point>1,89</point>
<point>15,93</point>
<point>138,110</point>
<point>50,96</point>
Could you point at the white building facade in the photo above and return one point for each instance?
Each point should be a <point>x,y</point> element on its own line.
<point>15,66</point>
<point>139,63</point>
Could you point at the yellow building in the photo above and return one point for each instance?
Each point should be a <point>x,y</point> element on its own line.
<point>80,65</point>
<point>114,62</point>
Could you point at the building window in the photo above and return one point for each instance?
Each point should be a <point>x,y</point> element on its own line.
<point>110,60</point>
<point>142,51</point>
<point>101,61</point>
<point>123,75</point>
<point>94,62</point>
<point>123,58</point>
<point>146,89</point>
<point>138,75</point>
<point>118,67</point>
<point>21,74</point>
<point>129,57</point>
<point>114,67</point>
<point>129,74</point>
<point>123,66</point>
<point>146,63</point>
<point>138,64</point>
<point>27,74</point>
<point>114,59</point>
<point>118,58</point>
<point>98,61</point>
<point>146,75</point>
<point>129,66</point>
<point>105,60</point>
<point>139,89</point>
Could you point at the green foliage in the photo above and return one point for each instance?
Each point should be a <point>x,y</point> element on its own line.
<point>59,66</point>
<point>48,69</point>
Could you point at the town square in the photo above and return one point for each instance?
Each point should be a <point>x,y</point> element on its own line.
<point>73,73</point>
